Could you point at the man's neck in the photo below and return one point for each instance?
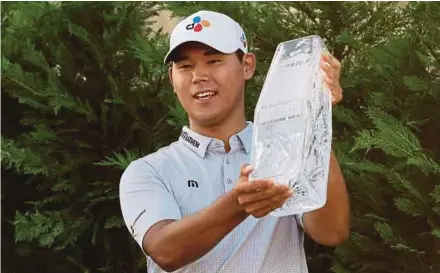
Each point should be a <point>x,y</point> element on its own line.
<point>222,131</point>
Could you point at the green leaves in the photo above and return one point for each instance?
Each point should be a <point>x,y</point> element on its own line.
<point>415,83</point>
<point>394,163</point>
<point>346,38</point>
<point>114,222</point>
<point>89,80</point>
<point>48,229</point>
<point>436,233</point>
<point>21,159</point>
<point>435,195</point>
<point>385,231</point>
<point>407,206</point>
<point>120,160</point>
<point>395,139</point>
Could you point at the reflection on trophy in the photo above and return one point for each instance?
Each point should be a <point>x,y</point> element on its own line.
<point>293,125</point>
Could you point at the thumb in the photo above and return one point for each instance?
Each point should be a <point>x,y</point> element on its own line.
<point>245,171</point>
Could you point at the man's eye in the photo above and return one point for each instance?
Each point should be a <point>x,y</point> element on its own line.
<point>184,66</point>
<point>213,61</point>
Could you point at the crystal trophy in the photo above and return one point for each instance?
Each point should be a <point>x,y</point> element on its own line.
<point>293,125</point>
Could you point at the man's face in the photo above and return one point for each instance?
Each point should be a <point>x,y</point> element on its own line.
<point>210,84</point>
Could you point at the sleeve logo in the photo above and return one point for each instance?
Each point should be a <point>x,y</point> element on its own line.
<point>135,220</point>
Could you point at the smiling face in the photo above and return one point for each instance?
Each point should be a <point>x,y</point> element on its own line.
<point>210,84</point>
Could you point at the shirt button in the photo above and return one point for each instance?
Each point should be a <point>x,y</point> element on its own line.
<point>228,161</point>
<point>229,181</point>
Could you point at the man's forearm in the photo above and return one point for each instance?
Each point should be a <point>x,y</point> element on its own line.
<point>330,225</point>
<point>186,240</point>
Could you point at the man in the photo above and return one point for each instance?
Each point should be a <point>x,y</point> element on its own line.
<point>190,205</point>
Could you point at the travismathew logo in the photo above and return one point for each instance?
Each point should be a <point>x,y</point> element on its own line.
<point>135,220</point>
<point>190,140</point>
<point>193,184</point>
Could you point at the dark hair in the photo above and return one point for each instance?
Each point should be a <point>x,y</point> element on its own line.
<point>240,54</point>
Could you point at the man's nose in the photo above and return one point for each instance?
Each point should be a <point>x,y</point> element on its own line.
<point>200,74</point>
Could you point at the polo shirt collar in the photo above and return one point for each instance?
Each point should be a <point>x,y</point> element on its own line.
<point>245,136</point>
<point>194,141</point>
<point>199,143</point>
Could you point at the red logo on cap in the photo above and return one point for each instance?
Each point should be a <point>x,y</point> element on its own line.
<point>198,24</point>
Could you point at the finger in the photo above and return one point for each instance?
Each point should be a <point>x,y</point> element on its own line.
<point>336,99</point>
<point>245,171</point>
<point>336,96</point>
<point>330,82</point>
<point>255,186</point>
<point>268,209</point>
<point>262,212</point>
<point>274,201</point>
<point>243,179</point>
<point>328,70</point>
<point>335,89</point>
<point>325,65</point>
<point>332,61</point>
<point>262,184</point>
<point>248,198</point>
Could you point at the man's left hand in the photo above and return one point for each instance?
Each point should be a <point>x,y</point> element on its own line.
<point>332,69</point>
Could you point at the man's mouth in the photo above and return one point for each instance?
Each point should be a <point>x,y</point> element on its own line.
<point>205,95</point>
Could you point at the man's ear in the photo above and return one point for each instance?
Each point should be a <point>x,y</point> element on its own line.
<point>170,76</point>
<point>249,64</point>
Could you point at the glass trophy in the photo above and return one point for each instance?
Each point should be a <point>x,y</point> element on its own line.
<point>293,125</point>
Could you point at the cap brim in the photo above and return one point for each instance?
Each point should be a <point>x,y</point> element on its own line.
<point>222,49</point>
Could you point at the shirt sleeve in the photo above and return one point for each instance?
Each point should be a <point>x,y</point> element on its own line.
<point>144,199</point>
<point>299,220</point>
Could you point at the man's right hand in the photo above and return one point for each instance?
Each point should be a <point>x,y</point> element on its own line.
<point>259,197</point>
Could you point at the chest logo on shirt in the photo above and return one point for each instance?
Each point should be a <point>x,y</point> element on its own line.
<point>190,140</point>
<point>193,184</point>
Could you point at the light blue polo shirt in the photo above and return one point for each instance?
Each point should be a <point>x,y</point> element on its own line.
<point>189,175</point>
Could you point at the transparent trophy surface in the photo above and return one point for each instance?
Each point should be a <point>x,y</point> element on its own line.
<point>293,125</point>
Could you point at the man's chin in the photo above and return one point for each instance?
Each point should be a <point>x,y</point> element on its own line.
<point>206,121</point>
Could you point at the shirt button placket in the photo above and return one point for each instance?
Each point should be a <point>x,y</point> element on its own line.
<point>229,182</point>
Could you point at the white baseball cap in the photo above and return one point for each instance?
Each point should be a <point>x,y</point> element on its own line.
<point>211,28</point>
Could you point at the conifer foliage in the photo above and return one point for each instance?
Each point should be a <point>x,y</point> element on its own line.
<point>86,83</point>
<point>85,92</point>
<point>393,161</point>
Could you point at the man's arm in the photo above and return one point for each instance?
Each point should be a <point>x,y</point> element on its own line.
<point>330,225</point>
<point>173,244</point>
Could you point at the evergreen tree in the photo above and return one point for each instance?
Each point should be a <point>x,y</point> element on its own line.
<point>394,162</point>
<point>86,85</point>
<point>84,92</point>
